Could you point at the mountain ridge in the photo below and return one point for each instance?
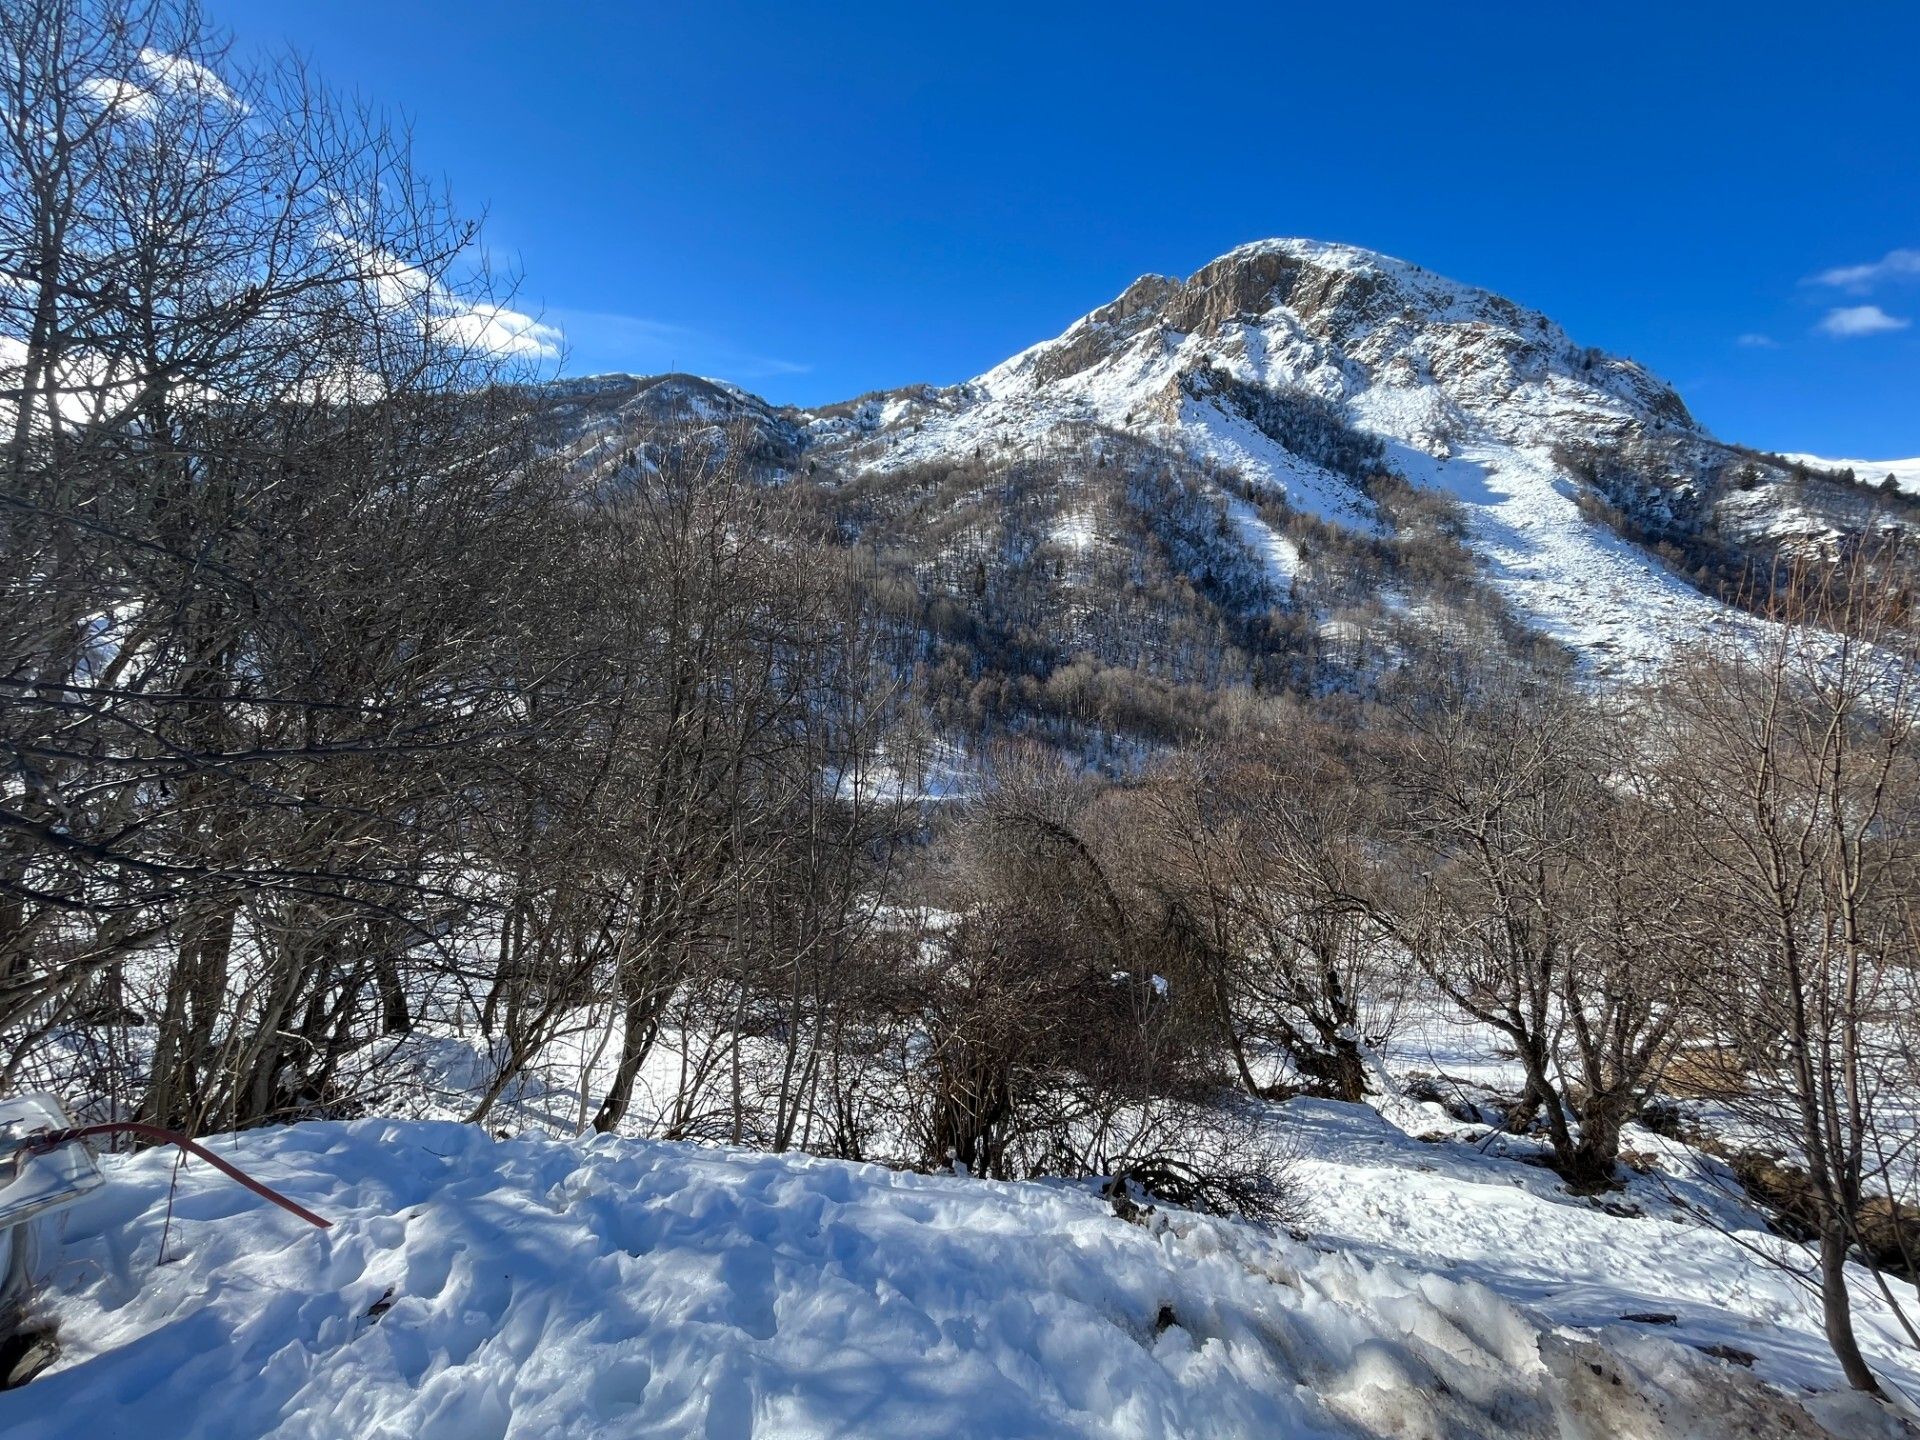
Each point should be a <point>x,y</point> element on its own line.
<point>1291,373</point>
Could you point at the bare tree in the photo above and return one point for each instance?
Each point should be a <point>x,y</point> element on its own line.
<point>1265,861</point>
<point>251,413</point>
<point>1551,909</point>
<point>711,648</point>
<point>1795,769</point>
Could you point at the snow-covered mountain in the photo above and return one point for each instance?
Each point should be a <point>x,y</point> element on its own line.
<point>1905,473</point>
<point>598,416</point>
<point>1467,390</point>
<point>1412,356</point>
<point>1598,510</point>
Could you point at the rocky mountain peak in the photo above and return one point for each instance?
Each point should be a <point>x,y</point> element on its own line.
<point>1342,322</point>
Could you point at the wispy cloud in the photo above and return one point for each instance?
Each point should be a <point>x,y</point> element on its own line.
<point>1754,340</point>
<point>122,98</point>
<point>1903,264</point>
<point>1849,322</point>
<point>643,344</point>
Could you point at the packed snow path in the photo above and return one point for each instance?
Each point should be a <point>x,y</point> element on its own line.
<point>537,1288</point>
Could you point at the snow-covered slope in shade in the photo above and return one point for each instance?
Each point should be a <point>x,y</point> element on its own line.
<point>474,1290</point>
<point>1468,390</point>
<point>1906,473</point>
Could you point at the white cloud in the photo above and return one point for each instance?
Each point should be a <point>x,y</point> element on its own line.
<point>637,342</point>
<point>165,75</point>
<point>1754,340</point>
<point>1851,321</point>
<point>496,330</point>
<point>1894,265</point>
<point>86,389</point>
<point>177,75</point>
<point>493,330</point>
<point>123,97</point>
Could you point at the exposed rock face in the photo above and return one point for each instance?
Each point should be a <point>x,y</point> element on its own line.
<point>1343,322</point>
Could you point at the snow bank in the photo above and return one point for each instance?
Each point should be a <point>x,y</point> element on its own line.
<point>475,1288</point>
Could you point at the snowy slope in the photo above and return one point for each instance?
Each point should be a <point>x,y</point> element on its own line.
<point>475,1288</point>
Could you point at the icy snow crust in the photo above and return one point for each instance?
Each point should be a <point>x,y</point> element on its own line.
<point>476,1288</point>
<point>1470,391</point>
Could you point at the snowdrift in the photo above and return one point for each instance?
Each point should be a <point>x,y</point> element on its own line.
<point>475,1288</point>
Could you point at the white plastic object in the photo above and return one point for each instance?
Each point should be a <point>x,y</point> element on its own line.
<point>31,1185</point>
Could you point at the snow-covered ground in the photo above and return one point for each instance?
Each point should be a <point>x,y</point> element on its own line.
<point>1279,557</point>
<point>548,1286</point>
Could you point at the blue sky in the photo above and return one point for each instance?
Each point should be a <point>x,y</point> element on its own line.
<point>816,200</point>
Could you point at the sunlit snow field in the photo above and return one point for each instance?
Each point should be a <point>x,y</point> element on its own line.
<point>1443,1283</point>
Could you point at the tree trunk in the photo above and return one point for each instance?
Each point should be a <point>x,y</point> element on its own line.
<point>196,988</point>
<point>1588,1167</point>
<point>975,1098</point>
<point>1836,1310</point>
<point>1334,1066</point>
<point>640,1027</point>
<point>395,1017</point>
